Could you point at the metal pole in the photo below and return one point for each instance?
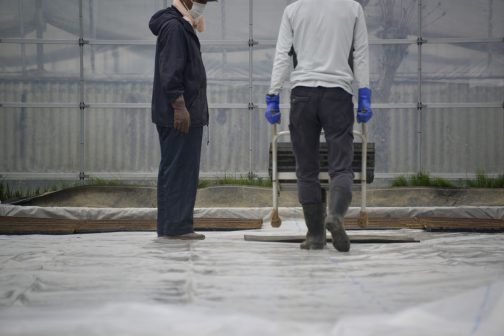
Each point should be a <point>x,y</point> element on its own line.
<point>92,26</point>
<point>274,168</point>
<point>40,35</point>
<point>364,167</point>
<point>490,30</point>
<point>82,105</point>
<point>251,70</point>
<point>22,32</point>
<point>223,35</point>
<point>420,106</point>
<point>275,219</point>
<point>363,216</point>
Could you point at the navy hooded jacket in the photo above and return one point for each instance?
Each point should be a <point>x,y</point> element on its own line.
<point>179,69</point>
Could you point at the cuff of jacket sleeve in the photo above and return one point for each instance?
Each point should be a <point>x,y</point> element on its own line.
<point>173,95</point>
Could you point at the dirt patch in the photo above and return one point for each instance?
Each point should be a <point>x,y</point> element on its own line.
<point>242,196</point>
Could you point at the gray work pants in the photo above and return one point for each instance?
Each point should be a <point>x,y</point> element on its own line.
<point>314,109</point>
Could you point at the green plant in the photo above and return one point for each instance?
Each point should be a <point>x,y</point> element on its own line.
<point>102,182</point>
<point>246,181</point>
<point>442,183</point>
<point>483,181</point>
<point>6,193</point>
<point>421,180</point>
<point>203,184</point>
<point>400,181</point>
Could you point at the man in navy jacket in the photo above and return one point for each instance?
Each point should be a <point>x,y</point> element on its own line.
<point>179,110</point>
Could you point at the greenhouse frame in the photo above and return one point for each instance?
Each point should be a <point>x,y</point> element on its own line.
<point>76,82</point>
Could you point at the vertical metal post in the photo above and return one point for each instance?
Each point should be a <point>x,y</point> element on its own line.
<point>274,167</point>
<point>40,35</point>
<point>275,219</point>
<point>251,106</point>
<point>420,105</point>
<point>22,33</point>
<point>364,168</point>
<point>92,26</point>
<point>82,105</point>
<point>363,219</point>
<point>490,30</point>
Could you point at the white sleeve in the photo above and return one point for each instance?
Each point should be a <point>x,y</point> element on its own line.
<point>281,65</point>
<point>361,50</point>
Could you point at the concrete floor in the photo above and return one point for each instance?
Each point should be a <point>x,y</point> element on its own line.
<point>136,284</point>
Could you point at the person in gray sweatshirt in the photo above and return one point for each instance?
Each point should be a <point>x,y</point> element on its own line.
<point>322,36</point>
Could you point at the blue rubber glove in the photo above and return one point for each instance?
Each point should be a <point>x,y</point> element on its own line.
<point>272,113</point>
<point>364,112</point>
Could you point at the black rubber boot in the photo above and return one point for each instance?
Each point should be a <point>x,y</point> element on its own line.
<point>338,205</point>
<point>316,235</point>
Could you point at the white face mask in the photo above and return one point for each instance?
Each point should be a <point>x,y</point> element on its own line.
<point>197,10</point>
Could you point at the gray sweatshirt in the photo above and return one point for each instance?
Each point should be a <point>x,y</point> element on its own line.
<point>323,33</point>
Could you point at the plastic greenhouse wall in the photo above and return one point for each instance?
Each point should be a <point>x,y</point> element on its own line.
<point>76,80</point>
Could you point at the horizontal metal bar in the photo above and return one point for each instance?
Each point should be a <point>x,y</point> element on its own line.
<point>219,43</point>
<point>238,106</point>
<point>377,106</point>
<point>150,42</point>
<point>448,176</point>
<point>225,43</point>
<point>38,105</point>
<point>39,176</point>
<point>243,106</point>
<point>401,106</point>
<point>148,106</point>
<point>123,42</point>
<point>119,105</point>
<point>75,176</point>
<point>38,41</point>
<point>204,175</point>
<point>270,43</point>
<point>122,176</point>
<point>463,105</point>
<point>322,176</point>
<point>214,175</point>
<point>449,40</point>
<point>115,175</point>
<point>392,41</point>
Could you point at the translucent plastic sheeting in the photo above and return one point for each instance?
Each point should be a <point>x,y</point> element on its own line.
<point>264,213</point>
<point>229,133</point>
<point>467,136</point>
<point>449,18</point>
<point>136,284</point>
<point>135,150</point>
<point>391,132</point>
<point>25,140</point>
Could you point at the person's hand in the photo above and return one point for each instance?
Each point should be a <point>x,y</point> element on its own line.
<point>181,117</point>
<point>272,114</point>
<point>364,112</point>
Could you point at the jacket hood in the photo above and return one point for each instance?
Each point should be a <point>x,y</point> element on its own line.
<point>162,16</point>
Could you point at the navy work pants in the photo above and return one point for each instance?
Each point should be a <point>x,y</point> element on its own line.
<point>178,179</point>
<point>314,109</point>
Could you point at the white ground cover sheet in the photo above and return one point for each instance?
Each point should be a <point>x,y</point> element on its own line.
<point>491,212</point>
<point>136,284</point>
